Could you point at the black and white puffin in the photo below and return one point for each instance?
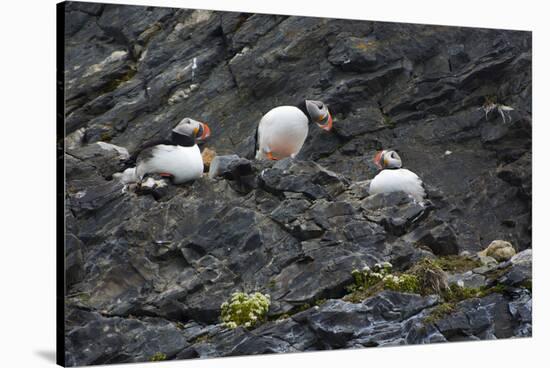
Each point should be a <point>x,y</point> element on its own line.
<point>393,178</point>
<point>283,130</point>
<point>179,158</point>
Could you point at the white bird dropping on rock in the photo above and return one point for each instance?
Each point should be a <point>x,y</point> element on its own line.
<point>193,67</point>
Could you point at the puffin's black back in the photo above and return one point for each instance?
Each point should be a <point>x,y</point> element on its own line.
<point>140,150</point>
<point>302,106</point>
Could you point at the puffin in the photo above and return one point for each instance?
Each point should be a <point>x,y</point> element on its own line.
<point>282,131</point>
<point>179,158</point>
<point>393,178</point>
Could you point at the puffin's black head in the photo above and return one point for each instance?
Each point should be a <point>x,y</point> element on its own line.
<point>319,114</point>
<point>189,131</point>
<point>387,159</point>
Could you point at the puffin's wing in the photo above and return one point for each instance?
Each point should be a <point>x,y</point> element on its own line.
<point>155,151</point>
<point>257,138</point>
<point>144,147</point>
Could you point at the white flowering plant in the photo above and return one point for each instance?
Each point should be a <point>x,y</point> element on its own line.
<point>244,309</point>
<point>381,275</point>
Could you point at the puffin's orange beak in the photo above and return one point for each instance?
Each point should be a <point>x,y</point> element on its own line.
<point>328,126</point>
<point>378,158</point>
<point>205,132</point>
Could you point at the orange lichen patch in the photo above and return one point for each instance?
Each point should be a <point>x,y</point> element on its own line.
<point>207,157</point>
<point>366,46</point>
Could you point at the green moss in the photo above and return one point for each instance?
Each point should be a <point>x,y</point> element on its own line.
<point>456,293</point>
<point>106,136</point>
<point>490,100</point>
<point>115,83</point>
<point>180,326</point>
<point>496,274</point>
<point>439,312</point>
<point>527,284</point>
<point>320,302</point>
<point>426,277</point>
<point>271,284</point>
<point>457,264</point>
<point>283,317</point>
<point>388,121</point>
<point>158,357</point>
<point>201,339</point>
<point>244,309</point>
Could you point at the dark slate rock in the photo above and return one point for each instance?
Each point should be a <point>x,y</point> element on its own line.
<point>74,261</point>
<point>304,177</point>
<point>103,340</point>
<point>293,229</point>
<point>396,211</point>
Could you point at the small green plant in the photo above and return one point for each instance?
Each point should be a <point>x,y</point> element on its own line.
<point>201,339</point>
<point>244,309</point>
<point>368,282</point>
<point>456,293</point>
<point>404,283</point>
<point>439,312</point>
<point>457,264</point>
<point>367,278</point>
<point>157,357</point>
<point>388,121</point>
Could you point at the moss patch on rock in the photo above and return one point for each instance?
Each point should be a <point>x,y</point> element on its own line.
<point>158,357</point>
<point>457,264</point>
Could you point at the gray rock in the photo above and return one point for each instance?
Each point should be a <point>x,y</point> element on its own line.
<point>293,229</point>
<point>101,340</point>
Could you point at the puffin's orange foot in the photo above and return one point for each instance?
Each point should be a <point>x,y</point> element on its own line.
<point>270,156</point>
<point>166,175</point>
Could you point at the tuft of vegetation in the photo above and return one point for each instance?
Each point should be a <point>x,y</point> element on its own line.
<point>455,294</point>
<point>427,277</point>
<point>431,277</point>
<point>439,312</point>
<point>388,121</point>
<point>404,283</point>
<point>244,309</point>
<point>527,284</point>
<point>320,302</point>
<point>106,136</point>
<point>368,282</point>
<point>157,357</point>
<point>115,83</point>
<point>201,339</point>
<point>457,264</point>
<point>491,104</point>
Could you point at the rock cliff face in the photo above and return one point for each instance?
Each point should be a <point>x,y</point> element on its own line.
<point>147,274</point>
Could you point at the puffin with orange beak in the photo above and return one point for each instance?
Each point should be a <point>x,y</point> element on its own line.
<point>393,178</point>
<point>179,159</point>
<point>283,130</point>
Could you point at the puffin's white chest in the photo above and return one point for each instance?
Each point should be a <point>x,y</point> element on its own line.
<point>394,180</point>
<point>282,131</point>
<point>183,163</point>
